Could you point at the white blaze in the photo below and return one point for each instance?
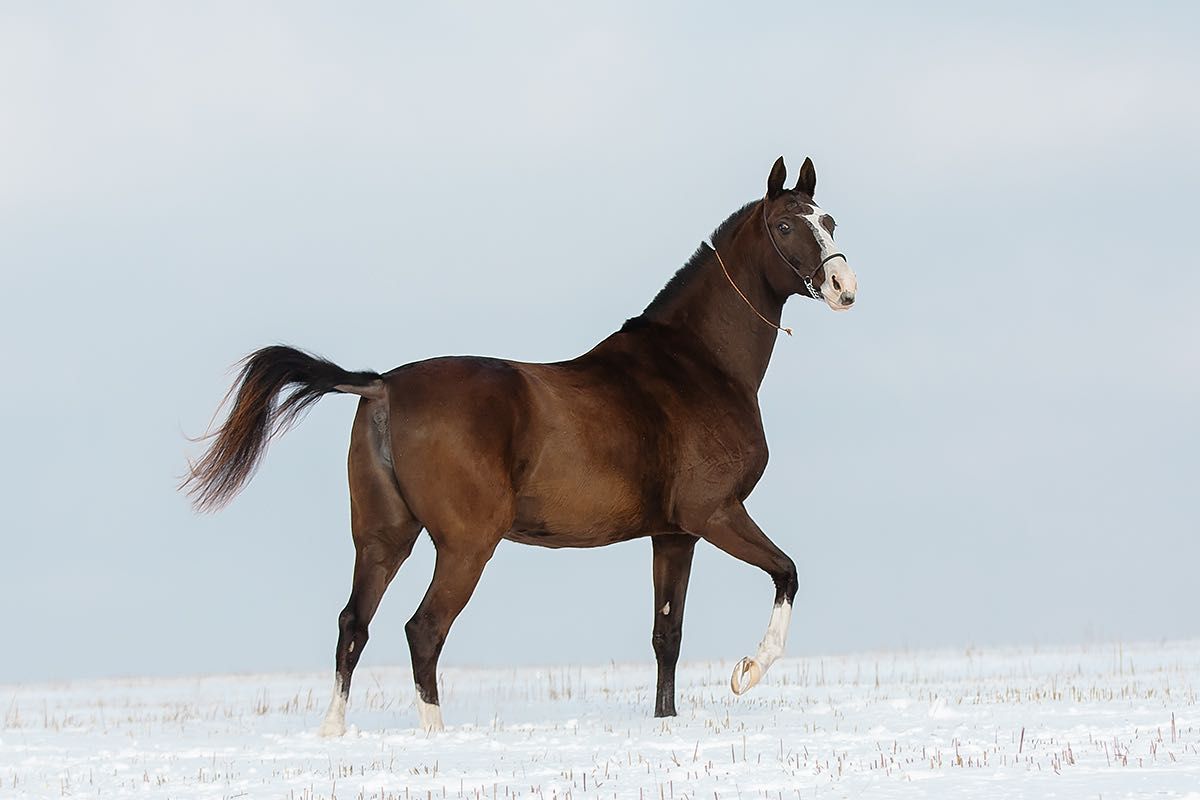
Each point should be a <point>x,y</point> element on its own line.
<point>824,237</point>
<point>836,269</point>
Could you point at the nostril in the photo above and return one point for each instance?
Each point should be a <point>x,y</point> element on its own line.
<point>847,298</point>
<point>837,287</point>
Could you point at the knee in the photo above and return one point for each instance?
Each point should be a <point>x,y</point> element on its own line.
<point>666,642</point>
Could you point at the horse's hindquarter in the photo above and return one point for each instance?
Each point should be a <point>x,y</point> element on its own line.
<point>451,423</point>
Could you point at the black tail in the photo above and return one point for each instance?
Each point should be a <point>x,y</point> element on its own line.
<point>258,415</point>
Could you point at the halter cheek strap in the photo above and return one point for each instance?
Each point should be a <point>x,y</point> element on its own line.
<point>808,284</point>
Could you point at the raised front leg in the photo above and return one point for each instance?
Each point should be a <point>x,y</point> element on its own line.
<point>672,567</point>
<point>732,530</point>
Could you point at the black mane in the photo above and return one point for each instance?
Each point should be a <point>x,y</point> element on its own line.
<point>684,273</point>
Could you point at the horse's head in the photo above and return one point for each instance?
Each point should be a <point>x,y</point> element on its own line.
<point>801,233</point>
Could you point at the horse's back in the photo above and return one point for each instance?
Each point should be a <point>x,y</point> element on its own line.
<point>565,454</point>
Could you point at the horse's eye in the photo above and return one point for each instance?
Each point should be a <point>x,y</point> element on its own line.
<point>785,228</point>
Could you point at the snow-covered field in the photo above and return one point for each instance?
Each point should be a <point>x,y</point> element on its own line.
<point>1103,721</point>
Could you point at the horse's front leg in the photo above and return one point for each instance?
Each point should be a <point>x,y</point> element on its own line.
<point>672,568</point>
<point>732,530</point>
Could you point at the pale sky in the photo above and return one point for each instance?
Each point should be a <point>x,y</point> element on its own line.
<point>997,445</point>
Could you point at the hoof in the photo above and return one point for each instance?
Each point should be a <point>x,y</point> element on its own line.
<point>746,676</point>
<point>332,728</point>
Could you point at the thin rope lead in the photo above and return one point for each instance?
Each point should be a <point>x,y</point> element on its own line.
<point>788,331</point>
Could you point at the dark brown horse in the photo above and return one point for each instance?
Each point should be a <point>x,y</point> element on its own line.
<point>654,432</point>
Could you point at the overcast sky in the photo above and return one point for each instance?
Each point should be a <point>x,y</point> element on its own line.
<point>997,445</point>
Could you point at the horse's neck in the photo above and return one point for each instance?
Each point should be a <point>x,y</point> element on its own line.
<point>708,308</point>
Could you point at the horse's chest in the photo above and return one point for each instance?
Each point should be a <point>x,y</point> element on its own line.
<point>725,457</point>
<point>724,453</point>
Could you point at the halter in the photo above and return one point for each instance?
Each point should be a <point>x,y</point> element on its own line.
<point>812,290</point>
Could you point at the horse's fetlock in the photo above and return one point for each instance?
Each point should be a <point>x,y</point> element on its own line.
<point>787,581</point>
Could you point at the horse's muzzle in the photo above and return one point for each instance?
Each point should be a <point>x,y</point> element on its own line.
<point>841,285</point>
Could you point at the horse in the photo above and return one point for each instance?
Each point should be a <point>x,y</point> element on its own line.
<point>654,432</point>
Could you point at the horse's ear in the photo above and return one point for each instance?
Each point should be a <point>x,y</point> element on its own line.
<point>776,179</point>
<point>807,182</point>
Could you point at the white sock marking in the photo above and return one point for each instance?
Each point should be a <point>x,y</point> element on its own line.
<point>335,718</point>
<point>431,715</point>
<point>771,647</point>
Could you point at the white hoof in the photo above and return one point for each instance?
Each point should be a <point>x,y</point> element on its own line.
<point>746,676</point>
<point>749,671</point>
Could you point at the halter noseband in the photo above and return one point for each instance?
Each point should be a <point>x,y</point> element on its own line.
<point>812,291</point>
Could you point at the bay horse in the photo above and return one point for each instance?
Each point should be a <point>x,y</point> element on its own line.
<point>655,432</point>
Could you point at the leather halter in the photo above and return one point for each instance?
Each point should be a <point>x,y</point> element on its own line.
<point>812,291</point>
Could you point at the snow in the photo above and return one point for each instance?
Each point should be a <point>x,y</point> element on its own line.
<point>1105,721</point>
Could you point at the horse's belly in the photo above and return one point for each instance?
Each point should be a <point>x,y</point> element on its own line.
<point>583,509</point>
<point>561,539</point>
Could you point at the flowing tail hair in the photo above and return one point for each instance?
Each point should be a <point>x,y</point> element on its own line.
<point>258,415</point>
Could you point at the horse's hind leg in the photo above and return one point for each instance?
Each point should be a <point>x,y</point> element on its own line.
<point>672,568</point>
<point>460,562</point>
<point>377,558</point>
<point>384,531</point>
